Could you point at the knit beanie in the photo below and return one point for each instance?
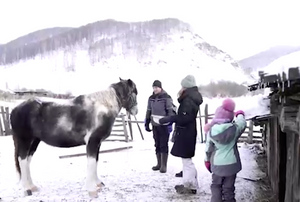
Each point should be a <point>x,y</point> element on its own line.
<point>223,114</point>
<point>188,82</point>
<point>157,83</point>
<point>226,110</point>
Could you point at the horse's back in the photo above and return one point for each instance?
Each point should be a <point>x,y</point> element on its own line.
<point>55,124</point>
<point>22,114</point>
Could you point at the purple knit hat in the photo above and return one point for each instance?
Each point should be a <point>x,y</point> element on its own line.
<point>223,114</point>
<point>226,111</point>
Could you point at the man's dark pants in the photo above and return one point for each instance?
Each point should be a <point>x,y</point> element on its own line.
<point>161,139</point>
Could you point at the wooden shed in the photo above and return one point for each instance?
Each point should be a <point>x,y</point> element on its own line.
<point>281,132</point>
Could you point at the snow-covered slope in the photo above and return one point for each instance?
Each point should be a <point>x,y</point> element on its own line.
<point>143,52</point>
<point>283,63</point>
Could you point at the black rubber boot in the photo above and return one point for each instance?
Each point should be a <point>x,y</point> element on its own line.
<point>178,174</point>
<point>157,167</point>
<point>164,161</point>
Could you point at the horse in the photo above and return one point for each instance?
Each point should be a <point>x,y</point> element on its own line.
<point>83,120</point>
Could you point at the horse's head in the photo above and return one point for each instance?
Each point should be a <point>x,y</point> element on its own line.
<point>127,92</point>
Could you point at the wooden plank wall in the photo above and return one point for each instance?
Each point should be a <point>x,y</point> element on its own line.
<point>292,187</point>
<point>283,153</point>
<point>273,154</point>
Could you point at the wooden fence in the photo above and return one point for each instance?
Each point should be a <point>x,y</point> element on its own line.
<point>122,129</point>
<point>250,135</point>
<point>5,128</point>
<point>119,131</point>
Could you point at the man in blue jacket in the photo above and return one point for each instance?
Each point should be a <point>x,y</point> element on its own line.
<point>159,105</point>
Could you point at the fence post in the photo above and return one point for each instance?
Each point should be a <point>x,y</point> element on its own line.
<point>206,114</point>
<point>1,126</point>
<point>250,135</point>
<point>5,122</point>
<point>125,128</point>
<point>8,132</point>
<point>201,132</point>
<point>130,125</point>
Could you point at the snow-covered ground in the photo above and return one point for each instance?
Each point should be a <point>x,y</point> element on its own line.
<point>126,174</point>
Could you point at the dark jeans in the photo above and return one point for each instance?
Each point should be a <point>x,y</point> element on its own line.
<point>161,139</point>
<point>222,188</point>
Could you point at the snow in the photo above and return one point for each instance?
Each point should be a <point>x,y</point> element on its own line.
<point>127,174</point>
<point>283,63</point>
<point>256,105</point>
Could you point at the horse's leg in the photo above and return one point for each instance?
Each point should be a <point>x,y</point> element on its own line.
<point>23,147</point>
<point>99,182</point>
<point>92,161</point>
<point>32,150</point>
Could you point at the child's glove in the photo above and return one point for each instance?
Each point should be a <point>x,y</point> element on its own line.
<point>207,165</point>
<point>239,112</point>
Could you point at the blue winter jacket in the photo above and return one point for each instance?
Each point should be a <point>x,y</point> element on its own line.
<point>221,147</point>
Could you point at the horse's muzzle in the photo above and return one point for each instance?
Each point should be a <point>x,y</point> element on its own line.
<point>134,110</point>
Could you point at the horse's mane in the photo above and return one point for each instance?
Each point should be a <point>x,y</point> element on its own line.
<point>107,97</point>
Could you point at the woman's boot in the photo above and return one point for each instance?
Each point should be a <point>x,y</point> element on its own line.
<point>178,174</point>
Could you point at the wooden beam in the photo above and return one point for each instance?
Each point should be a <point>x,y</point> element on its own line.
<point>288,119</point>
<point>104,151</point>
<point>250,133</point>
<point>130,125</point>
<point>125,129</point>
<point>139,128</point>
<point>5,121</point>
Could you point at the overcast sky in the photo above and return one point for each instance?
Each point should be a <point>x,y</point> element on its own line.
<point>239,27</point>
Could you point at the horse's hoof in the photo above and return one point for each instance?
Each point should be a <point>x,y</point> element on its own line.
<point>93,194</point>
<point>28,192</point>
<point>98,188</point>
<point>100,184</point>
<point>34,188</point>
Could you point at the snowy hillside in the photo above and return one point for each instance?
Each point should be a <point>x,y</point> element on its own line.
<point>283,63</point>
<point>88,58</point>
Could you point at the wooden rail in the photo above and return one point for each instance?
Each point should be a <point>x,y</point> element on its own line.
<point>124,122</point>
<point>248,135</point>
<point>118,133</point>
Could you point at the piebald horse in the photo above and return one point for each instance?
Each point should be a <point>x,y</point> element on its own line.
<point>84,120</point>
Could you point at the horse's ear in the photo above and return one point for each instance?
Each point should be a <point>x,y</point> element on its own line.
<point>121,79</point>
<point>130,82</point>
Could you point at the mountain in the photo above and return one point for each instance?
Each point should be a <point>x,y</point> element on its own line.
<point>136,34</point>
<point>158,48</point>
<point>31,38</point>
<point>266,57</point>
